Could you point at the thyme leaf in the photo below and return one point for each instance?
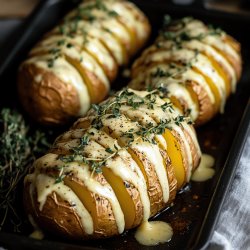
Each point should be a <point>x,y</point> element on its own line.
<point>112,109</point>
<point>19,146</point>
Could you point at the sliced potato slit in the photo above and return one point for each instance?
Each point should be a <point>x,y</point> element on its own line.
<point>175,155</point>
<point>122,194</point>
<point>213,88</point>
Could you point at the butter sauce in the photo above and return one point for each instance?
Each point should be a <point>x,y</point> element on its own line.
<point>204,171</point>
<point>151,233</point>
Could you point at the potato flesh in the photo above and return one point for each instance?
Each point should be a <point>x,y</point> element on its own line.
<point>213,88</point>
<point>174,153</point>
<point>176,102</point>
<point>154,187</point>
<point>91,88</point>
<point>147,171</point>
<point>193,95</point>
<point>123,197</point>
<point>84,195</point>
<point>222,73</point>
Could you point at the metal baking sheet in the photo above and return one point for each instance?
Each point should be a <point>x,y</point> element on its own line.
<point>196,209</point>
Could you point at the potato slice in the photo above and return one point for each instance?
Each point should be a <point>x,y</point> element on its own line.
<point>233,58</point>
<point>97,88</point>
<point>174,151</point>
<point>171,176</point>
<point>66,222</point>
<point>98,206</point>
<point>119,173</point>
<point>153,184</point>
<point>175,147</point>
<point>128,197</point>
<point>141,152</point>
<point>214,89</point>
<point>142,27</point>
<point>221,71</point>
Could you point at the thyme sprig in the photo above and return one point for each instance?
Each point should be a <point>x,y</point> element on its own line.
<point>112,109</point>
<point>18,149</point>
<point>171,31</point>
<point>85,12</point>
<point>70,27</point>
<point>179,69</point>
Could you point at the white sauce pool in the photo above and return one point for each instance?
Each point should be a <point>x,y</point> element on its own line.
<point>205,171</point>
<point>151,233</point>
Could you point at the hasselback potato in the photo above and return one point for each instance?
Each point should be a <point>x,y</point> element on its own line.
<point>74,64</point>
<point>199,66</point>
<point>115,168</point>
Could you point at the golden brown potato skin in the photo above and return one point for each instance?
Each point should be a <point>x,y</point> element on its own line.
<point>71,226</point>
<point>50,101</point>
<point>74,65</point>
<point>184,52</point>
<point>108,173</point>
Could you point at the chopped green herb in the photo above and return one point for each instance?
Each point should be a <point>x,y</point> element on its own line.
<point>111,109</point>
<point>69,45</point>
<point>109,150</point>
<point>61,42</point>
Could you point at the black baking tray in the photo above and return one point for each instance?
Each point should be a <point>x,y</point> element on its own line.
<point>197,206</point>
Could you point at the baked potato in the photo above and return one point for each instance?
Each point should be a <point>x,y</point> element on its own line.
<point>75,63</point>
<point>114,169</point>
<point>197,64</point>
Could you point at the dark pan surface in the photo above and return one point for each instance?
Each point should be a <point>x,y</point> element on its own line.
<point>197,207</point>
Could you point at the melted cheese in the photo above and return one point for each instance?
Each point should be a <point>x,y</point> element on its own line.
<point>195,28</point>
<point>101,53</point>
<point>153,155</point>
<point>205,171</point>
<point>199,61</point>
<point>121,125</point>
<point>45,185</point>
<point>194,44</point>
<point>106,37</point>
<point>144,119</point>
<point>82,57</point>
<point>122,165</point>
<point>132,174</point>
<point>181,92</point>
<point>105,191</point>
<point>153,233</point>
<point>130,19</point>
<point>37,233</point>
<point>182,76</point>
<point>159,115</point>
<point>90,43</point>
